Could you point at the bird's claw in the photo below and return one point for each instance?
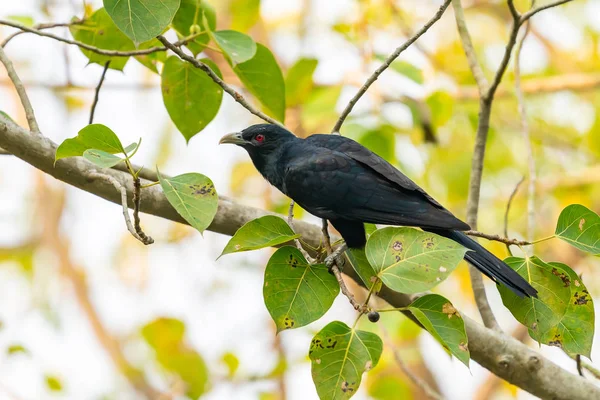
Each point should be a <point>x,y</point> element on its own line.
<point>335,258</point>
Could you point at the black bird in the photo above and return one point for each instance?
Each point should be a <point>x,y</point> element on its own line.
<point>336,178</point>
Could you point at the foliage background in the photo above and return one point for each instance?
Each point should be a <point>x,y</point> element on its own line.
<point>220,302</point>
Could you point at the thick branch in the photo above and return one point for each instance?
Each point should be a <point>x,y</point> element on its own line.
<point>504,356</point>
<point>387,63</point>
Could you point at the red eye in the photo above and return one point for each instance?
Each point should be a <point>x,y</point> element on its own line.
<point>259,138</point>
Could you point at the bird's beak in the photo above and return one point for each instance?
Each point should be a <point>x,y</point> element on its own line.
<point>233,138</point>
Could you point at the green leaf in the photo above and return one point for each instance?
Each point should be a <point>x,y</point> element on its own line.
<point>191,13</point>
<point>575,331</point>
<point>263,78</point>
<point>100,31</point>
<point>409,70</point>
<point>142,20</point>
<point>267,231</point>
<point>16,349</point>
<point>151,60</point>
<point>101,158</point>
<point>382,142</point>
<point>95,136</point>
<point>358,259</point>
<point>408,260</point>
<point>26,20</point>
<point>190,96</point>
<point>579,226</point>
<point>318,112</point>
<point>299,81</point>
<point>339,356</point>
<point>193,196</point>
<point>237,46</point>
<point>132,147</point>
<point>444,323</point>
<point>542,313</point>
<point>297,293</point>
<point>441,105</point>
<point>244,14</point>
<point>53,383</point>
<point>174,354</point>
<point>232,363</point>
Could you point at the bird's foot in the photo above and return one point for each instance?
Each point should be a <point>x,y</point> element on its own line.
<point>334,257</point>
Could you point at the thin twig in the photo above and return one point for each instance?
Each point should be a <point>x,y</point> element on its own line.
<point>290,221</point>
<point>531,13</point>
<point>420,383</point>
<point>12,74</point>
<point>137,199</point>
<point>110,53</point>
<point>509,204</point>
<point>579,366</point>
<point>232,92</point>
<point>387,63</point>
<point>526,135</point>
<point>40,27</point>
<point>362,308</point>
<point>498,238</point>
<point>467,44</point>
<point>123,190</point>
<point>97,91</point>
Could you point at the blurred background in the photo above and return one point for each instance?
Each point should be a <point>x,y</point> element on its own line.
<point>76,290</point>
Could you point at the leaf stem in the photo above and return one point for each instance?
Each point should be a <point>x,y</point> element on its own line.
<point>149,185</point>
<point>543,239</point>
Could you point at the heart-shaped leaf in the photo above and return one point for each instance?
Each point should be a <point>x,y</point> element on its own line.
<point>263,78</point>
<point>444,322</point>
<point>579,226</point>
<point>100,31</point>
<point>408,260</point>
<point>94,136</point>
<point>361,265</point>
<point>193,196</point>
<point>261,232</point>
<point>575,331</point>
<point>101,158</point>
<point>546,311</point>
<point>236,45</point>
<point>297,293</point>
<point>142,20</point>
<point>339,356</point>
<point>190,96</point>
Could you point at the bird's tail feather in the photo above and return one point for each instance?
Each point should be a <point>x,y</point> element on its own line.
<point>489,264</point>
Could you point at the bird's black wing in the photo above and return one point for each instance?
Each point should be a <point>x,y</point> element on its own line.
<point>342,182</point>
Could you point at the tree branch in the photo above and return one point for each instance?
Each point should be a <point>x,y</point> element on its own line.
<point>97,92</point>
<point>468,48</point>
<point>12,74</point>
<point>123,191</point>
<point>526,136</point>
<point>110,53</point>
<point>236,96</point>
<point>485,110</point>
<point>387,63</point>
<point>40,27</point>
<point>502,355</point>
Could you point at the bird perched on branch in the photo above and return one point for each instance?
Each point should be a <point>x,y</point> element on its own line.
<point>338,179</point>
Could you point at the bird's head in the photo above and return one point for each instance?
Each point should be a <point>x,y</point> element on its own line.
<point>261,139</point>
